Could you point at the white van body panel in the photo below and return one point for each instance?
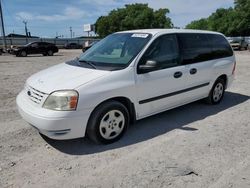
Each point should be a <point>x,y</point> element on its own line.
<point>149,93</point>
<point>63,76</point>
<point>116,84</point>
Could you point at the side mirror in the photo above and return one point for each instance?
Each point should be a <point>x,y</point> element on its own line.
<point>149,66</point>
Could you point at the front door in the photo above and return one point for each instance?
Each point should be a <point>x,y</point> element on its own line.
<point>162,88</point>
<point>33,48</point>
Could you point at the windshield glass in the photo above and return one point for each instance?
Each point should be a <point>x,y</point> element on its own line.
<point>28,44</point>
<point>117,49</point>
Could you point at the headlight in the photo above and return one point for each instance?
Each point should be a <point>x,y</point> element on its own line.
<point>62,100</point>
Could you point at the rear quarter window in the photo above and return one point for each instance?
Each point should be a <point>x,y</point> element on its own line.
<point>220,46</point>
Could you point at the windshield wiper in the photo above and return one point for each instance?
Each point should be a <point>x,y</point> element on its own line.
<point>89,63</point>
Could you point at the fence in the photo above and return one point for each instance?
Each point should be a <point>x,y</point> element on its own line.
<point>59,42</point>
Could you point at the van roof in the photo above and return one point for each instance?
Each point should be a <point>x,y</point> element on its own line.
<point>162,31</point>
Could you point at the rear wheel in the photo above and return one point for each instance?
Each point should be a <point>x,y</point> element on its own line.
<point>217,92</point>
<point>108,122</point>
<point>50,53</point>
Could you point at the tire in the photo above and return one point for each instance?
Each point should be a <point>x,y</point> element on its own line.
<point>44,54</point>
<point>217,92</point>
<point>108,123</point>
<point>50,53</point>
<point>23,53</point>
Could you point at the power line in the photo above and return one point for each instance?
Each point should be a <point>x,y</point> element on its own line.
<point>26,30</point>
<point>70,29</point>
<point>2,25</point>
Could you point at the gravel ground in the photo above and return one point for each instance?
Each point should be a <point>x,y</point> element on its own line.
<point>196,145</point>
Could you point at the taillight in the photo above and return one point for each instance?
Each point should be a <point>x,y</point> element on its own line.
<point>234,68</point>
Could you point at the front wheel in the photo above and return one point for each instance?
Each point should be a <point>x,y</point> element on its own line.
<point>217,92</point>
<point>108,122</point>
<point>23,53</point>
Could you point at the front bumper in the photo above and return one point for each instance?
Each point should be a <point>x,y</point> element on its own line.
<point>235,46</point>
<point>59,125</point>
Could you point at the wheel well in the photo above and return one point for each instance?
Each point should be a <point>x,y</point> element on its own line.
<point>224,77</point>
<point>127,103</point>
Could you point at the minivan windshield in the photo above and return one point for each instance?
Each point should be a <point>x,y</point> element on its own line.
<point>116,50</point>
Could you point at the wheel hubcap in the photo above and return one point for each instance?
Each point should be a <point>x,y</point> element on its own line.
<point>112,124</point>
<point>218,91</point>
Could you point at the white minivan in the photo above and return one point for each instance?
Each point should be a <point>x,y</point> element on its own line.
<point>125,77</point>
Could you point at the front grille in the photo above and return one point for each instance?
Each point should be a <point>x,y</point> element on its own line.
<point>35,95</point>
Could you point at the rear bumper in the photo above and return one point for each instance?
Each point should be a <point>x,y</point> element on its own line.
<point>53,124</point>
<point>230,80</point>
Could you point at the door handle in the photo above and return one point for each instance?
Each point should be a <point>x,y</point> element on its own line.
<point>193,71</point>
<point>177,74</point>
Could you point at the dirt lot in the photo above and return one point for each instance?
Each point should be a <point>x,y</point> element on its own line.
<point>196,145</point>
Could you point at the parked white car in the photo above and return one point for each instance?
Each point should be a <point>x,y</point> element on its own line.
<point>127,76</point>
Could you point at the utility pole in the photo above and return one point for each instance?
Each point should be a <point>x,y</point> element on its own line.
<point>70,29</point>
<point>26,30</point>
<point>2,26</point>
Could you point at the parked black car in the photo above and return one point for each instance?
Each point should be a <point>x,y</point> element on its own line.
<point>1,51</point>
<point>44,48</point>
<point>72,46</point>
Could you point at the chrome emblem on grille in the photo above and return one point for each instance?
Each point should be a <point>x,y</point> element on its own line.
<point>28,93</point>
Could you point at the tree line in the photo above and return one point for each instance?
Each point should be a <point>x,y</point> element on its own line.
<point>232,21</point>
<point>134,16</point>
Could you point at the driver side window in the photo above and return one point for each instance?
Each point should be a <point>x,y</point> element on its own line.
<point>34,45</point>
<point>164,50</point>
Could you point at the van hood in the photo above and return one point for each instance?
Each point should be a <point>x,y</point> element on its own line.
<point>63,77</point>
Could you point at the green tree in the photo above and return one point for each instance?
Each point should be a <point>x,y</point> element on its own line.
<point>232,21</point>
<point>222,21</point>
<point>133,16</point>
<point>242,21</point>
<point>199,24</point>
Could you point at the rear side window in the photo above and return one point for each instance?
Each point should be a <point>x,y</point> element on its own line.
<point>41,44</point>
<point>194,48</point>
<point>34,45</point>
<point>220,46</point>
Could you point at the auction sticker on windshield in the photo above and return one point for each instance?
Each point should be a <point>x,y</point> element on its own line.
<point>140,35</point>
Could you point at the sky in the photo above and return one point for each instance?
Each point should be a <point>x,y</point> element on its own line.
<point>48,18</point>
